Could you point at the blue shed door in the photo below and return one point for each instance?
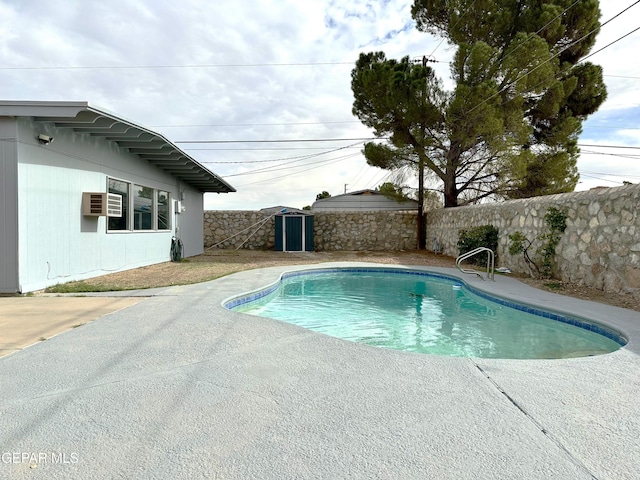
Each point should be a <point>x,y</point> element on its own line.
<point>293,233</point>
<point>279,247</point>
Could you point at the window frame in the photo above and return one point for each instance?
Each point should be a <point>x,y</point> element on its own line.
<point>131,225</point>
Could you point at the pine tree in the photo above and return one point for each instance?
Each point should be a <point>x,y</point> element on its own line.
<point>509,127</point>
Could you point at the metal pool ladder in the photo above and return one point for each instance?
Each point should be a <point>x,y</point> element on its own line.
<point>476,251</point>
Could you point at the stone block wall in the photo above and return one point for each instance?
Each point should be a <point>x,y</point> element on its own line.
<point>600,247</point>
<point>387,230</point>
<point>233,229</point>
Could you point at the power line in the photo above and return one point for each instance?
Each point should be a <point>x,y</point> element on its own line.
<point>610,174</point>
<point>622,76</point>
<point>205,65</point>
<point>620,13</point>
<point>310,123</point>
<point>280,141</point>
<point>351,147</point>
<point>300,157</point>
<point>550,58</point>
<point>607,146</point>
<point>253,124</point>
<point>618,155</point>
<point>251,149</point>
<point>329,162</point>
<point>357,176</point>
<point>456,24</point>
<point>600,178</point>
<point>607,46</point>
<point>282,165</point>
<point>620,127</point>
<point>541,29</point>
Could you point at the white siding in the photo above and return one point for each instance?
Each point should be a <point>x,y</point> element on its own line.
<point>56,242</point>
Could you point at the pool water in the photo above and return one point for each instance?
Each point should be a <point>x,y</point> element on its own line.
<point>421,313</point>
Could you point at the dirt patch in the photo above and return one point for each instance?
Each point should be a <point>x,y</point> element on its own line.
<point>218,263</point>
<point>585,293</point>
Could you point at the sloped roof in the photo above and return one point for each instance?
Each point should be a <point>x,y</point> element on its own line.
<point>151,146</point>
<point>280,209</point>
<point>362,200</point>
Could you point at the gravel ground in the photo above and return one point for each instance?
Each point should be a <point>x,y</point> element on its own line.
<point>218,263</point>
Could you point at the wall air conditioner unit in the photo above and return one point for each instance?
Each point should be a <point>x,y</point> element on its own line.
<point>98,204</point>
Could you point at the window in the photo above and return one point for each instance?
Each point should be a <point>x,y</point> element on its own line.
<point>163,210</point>
<point>121,188</point>
<point>143,208</point>
<point>150,207</point>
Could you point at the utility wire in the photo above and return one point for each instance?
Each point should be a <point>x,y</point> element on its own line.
<point>607,46</point>
<point>300,157</point>
<point>313,123</point>
<point>296,173</point>
<point>607,146</point>
<point>600,178</point>
<point>550,58</point>
<point>280,141</point>
<point>612,174</point>
<point>251,149</point>
<point>621,127</point>
<point>456,24</point>
<point>541,29</point>
<point>206,65</point>
<point>622,76</point>
<point>282,166</point>
<point>619,155</point>
<point>253,124</point>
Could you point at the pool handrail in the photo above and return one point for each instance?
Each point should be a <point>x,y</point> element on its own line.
<point>475,251</point>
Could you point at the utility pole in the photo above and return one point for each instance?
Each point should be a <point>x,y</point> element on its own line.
<point>345,187</point>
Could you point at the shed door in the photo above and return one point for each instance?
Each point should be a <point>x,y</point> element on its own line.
<point>293,235</point>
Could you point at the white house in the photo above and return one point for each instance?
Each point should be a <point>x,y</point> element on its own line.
<point>361,200</point>
<point>84,192</point>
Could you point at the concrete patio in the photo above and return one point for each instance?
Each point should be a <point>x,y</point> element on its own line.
<point>177,387</point>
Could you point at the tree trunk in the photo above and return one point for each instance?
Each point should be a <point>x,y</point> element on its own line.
<point>450,191</point>
<point>422,234</point>
<point>450,187</point>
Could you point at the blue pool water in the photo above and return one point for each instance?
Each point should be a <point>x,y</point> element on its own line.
<point>424,313</point>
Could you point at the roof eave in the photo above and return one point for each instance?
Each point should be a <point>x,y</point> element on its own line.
<point>137,139</point>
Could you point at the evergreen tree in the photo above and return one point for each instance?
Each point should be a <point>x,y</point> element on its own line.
<point>510,125</point>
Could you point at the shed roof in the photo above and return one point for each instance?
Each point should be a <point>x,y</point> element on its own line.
<point>151,146</point>
<point>282,210</point>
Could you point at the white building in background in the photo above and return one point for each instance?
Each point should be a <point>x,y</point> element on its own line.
<point>361,200</point>
<point>84,193</point>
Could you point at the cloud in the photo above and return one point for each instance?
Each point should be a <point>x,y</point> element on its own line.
<point>203,69</point>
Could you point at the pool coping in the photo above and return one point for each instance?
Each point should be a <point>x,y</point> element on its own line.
<point>619,324</point>
<point>239,396</point>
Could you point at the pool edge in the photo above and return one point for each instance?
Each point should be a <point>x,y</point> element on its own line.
<point>474,285</point>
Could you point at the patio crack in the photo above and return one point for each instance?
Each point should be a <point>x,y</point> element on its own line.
<point>537,424</point>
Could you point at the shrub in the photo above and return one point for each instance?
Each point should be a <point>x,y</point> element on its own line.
<point>472,238</point>
<point>543,262</point>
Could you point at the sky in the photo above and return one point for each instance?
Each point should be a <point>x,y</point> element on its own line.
<point>247,72</point>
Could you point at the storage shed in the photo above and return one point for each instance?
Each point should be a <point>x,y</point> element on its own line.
<point>294,231</point>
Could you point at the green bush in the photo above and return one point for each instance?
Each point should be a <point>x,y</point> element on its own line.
<point>472,238</point>
<point>541,263</point>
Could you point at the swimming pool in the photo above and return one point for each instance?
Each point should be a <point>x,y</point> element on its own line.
<point>423,312</point>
